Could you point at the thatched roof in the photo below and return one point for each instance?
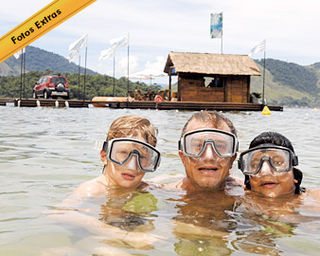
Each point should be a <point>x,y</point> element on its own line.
<point>211,64</point>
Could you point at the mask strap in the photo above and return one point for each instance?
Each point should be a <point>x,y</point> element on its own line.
<point>103,168</point>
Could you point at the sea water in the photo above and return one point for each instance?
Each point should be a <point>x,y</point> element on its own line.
<point>45,153</point>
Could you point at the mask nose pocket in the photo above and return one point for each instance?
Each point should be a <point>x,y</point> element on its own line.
<point>132,162</point>
<point>266,165</point>
<point>209,151</point>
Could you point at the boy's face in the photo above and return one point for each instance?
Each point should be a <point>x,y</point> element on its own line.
<point>127,175</point>
<point>272,184</point>
<point>209,171</point>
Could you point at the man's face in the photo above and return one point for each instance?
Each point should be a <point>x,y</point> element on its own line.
<point>209,171</point>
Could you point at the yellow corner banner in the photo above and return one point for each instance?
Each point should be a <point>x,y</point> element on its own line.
<point>38,24</point>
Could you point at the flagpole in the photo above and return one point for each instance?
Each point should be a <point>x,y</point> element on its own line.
<point>79,71</point>
<point>128,69</point>
<point>21,76</point>
<point>222,34</point>
<point>221,42</point>
<point>264,75</point>
<point>114,74</point>
<point>24,71</point>
<point>85,73</point>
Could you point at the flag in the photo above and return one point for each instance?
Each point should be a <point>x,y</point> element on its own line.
<point>216,25</point>
<point>107,53</point>
<point>18,53</point>
<point>74,48</point>
<point>73,55</point>
<point>115,44</point>
<point>258,48</point>
<point>119,42</point>
<point>80,43</point>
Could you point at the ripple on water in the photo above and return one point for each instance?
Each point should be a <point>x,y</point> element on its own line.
<point>46,152</point>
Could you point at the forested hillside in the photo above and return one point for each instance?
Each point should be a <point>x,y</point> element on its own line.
<point>39,60</point>
<point>285,83</point>
<point>288,83</point>
<point>96,85</point>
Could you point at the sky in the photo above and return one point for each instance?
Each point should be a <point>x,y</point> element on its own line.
<point>156,27</point>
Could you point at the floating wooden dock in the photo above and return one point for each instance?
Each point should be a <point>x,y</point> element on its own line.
<point>58,103</point>
<point>166,105</point>
<point>185,105</point>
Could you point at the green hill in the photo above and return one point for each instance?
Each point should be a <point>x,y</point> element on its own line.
<point>285,83</point>
<point>40,60</point>
<point>289,83</point>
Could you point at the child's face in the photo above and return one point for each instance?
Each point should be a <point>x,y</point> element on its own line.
<point>270,170</point>
<point>272,184</point>
<point>127,175</point>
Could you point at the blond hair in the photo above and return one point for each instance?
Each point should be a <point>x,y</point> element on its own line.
<point>213,118</point>
<point>131,125</point>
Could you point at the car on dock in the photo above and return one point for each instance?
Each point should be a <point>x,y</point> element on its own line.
<point>51,86</point>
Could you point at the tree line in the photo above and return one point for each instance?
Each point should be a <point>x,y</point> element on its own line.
<point>96,85</point>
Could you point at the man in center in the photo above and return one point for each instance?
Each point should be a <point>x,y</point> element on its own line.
<point>207,148</point>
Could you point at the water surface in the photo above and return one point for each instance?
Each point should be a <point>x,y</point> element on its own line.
<point>45,153</point>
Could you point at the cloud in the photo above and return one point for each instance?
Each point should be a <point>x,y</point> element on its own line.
<point>123,65</point>
<point>158,27</point>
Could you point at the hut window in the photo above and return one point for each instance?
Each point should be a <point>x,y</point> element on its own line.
<point>214,82</point>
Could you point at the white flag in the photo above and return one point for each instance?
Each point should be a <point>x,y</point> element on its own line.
<point>107,53</point>
<point>115,44</point>
<point>119,42</point>
<point>258,48</point>
<point>73,55</point>
<point>216,25</point>
<point>18,53</point>
<point>80,43</point>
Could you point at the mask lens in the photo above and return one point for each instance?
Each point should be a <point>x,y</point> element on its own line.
<point>278,159</point>
<point>195,143</point>
<point>123,149</point>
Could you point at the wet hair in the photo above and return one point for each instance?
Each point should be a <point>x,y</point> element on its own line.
<point>131,125</point>
<point>214,118</point>
<point>278,140</point>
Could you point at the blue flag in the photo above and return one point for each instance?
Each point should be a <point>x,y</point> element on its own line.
<point>216,25</point>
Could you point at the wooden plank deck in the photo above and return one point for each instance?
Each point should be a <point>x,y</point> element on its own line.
<point>6,101</point>
<point>60,103</point>
<point>168,105</point>
<point>186,105</point>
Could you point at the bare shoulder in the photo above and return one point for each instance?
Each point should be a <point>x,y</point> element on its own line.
<point>314,194</point>
<point>86,190</point>
<point>92,188</point>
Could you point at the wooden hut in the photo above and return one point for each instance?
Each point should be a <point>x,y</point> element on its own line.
<point>208,77</point>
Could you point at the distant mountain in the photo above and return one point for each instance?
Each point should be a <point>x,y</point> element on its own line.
<point>40,60</point>
<point>285,83</point>
<point>289,83</point>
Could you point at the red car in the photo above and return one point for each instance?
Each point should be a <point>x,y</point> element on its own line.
<point>51,86</point>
